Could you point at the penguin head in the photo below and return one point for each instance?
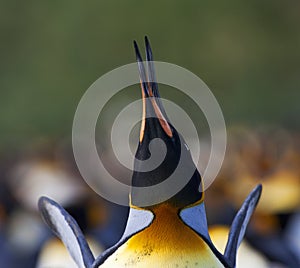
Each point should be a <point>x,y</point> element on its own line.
<point>160,142</point>
<point>157,138</point>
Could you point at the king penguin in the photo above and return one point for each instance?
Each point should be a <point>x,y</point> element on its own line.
<point>172,232</point>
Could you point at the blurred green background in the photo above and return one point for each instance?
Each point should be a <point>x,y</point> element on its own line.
<point>247,52</point>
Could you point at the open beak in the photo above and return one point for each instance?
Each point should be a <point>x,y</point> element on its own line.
<point>150,94</point>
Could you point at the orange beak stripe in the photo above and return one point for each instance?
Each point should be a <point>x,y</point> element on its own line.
<point>162,120</point>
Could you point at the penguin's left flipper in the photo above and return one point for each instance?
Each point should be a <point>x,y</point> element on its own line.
<point>66,228</point>
<point>137,221</point>
<point>239,225</point>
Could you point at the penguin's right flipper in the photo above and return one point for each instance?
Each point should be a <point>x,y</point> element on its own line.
<point>66,228</point>
<point>239,225</point>
<point>137,221</point>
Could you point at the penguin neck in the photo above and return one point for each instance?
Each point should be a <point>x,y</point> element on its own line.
<point>167,241</point>
<point>167,226</point>
<point>168,229</point>
<point>166,215</point>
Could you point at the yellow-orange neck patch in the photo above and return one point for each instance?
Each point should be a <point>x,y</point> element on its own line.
<point>167,242</point>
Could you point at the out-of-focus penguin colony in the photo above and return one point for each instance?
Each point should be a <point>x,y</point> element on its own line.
<point>272,239</point>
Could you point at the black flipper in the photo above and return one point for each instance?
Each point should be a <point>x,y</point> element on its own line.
<point>239,225</point>
<point>66,228</point>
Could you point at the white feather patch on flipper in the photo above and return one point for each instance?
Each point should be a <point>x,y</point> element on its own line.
<point>66,228</point>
